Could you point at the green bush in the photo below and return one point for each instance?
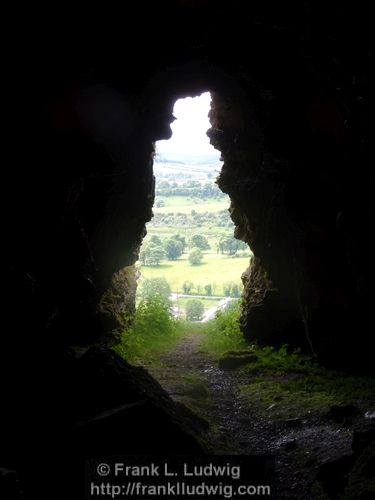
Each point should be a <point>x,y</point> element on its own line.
<point>153,330</point>
<point>194,310</point>
<point>195,257</point>
<point>281,360</point>
<point>223,332</point>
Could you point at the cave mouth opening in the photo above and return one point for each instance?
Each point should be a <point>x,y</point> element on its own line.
<point>189,252</point>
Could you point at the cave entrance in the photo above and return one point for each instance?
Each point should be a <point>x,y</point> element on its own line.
<point>190,253</point>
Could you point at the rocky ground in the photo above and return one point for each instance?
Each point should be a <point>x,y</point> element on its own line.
<point>312,452</point>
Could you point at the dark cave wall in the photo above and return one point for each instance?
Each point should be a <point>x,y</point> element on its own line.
<point>85,100</point>
<point>289,205</point>
<point>293,93</point>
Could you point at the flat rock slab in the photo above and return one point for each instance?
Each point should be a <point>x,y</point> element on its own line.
<point>232,361</point>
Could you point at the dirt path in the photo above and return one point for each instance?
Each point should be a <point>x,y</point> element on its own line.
<point>190,376</point>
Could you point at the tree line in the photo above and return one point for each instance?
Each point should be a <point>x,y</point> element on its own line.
<point>194,219</point>
<point>194,189</point>
<point>157,249</point>
<point>230,289</point>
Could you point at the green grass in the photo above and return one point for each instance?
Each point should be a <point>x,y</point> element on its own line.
<point>282,383</point>
<point>302,394</point>
<point>214,206</point>
<point>285,384</point>
<point>215,268</point>
<point>278,399</point>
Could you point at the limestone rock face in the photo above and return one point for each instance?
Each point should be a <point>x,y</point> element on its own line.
<point>287,197</point>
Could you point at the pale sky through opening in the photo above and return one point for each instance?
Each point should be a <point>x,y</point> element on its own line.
<point>189,129</point>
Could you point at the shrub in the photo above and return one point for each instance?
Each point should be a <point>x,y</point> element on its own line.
<point>223,332</point>
<point>195,257</point>
<point>153,330</point>
<point>194,310</point>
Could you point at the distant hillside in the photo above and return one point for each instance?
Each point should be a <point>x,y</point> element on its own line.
<point>188,159</point>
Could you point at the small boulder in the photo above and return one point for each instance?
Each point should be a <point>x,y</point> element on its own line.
<point>293,423</point>
<point>343,414</point>
<point>333,474</point>
<point>9,485</point>
<point>363,436</point>
<point>290,445</point>
<point>234,360</point>
<point>361,481</point>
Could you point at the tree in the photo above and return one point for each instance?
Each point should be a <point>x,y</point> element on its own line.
<point>208,289</point>
<point>195,257</point>
<point>151,254</point>
<point>194,310</point>
<point>181,239</point>
<point>187,287</point>
<point>155,240</point>
<point>143,254</point>
<point>150,287</point>
<point>199,241</point>
<point>230,245</point>
<point>173,249</point>
<point>155,255</point>
<point>227,287</point>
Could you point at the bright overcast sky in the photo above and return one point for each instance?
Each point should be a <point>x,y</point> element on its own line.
<point>189,129</point>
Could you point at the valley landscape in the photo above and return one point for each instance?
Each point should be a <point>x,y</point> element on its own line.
<point>191,210</point>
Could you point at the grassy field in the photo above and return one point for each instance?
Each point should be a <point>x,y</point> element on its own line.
<point>184,205</point>
<point>215,269</point>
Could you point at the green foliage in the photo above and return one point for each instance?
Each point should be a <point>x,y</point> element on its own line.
<point>152,331</point>
<point>151,287</point>
<point>208,289</point>
<point>194,310</point>
<point>223,332</point>
<point>199,241</point>
<point>195,257</point>
<point>282,360</point>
